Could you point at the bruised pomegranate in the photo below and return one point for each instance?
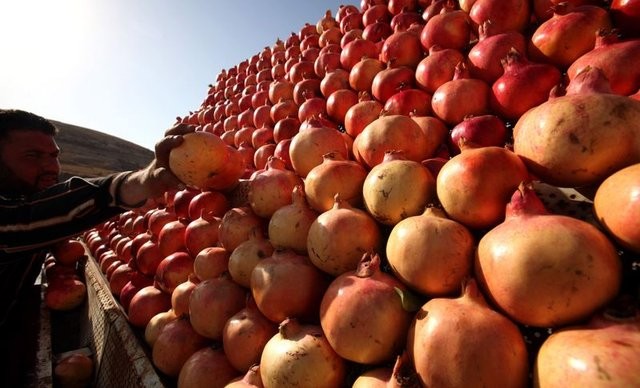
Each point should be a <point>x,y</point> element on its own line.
<point>581,138</point>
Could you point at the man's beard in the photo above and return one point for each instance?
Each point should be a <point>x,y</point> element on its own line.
<point>12,184</point>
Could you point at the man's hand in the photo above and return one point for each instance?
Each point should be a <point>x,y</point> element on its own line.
<point>157,177</point>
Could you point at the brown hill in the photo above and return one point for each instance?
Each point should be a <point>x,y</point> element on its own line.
<point>90,153</point>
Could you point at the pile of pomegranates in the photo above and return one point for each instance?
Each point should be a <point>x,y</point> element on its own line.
<point>363,205</point>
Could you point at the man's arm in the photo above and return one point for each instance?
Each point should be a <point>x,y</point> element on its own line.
<point>156,178</point>
<point>78,204</point>
<point>61,211</point>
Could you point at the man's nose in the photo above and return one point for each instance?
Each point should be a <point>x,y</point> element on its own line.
<point>51,164</point>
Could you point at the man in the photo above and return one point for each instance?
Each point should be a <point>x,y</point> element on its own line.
<point>36,210</point>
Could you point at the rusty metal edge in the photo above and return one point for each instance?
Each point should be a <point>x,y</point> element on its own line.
<point>44,367</point>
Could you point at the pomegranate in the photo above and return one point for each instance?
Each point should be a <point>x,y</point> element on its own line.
<point>454,341</point>
<point>402,48</point>
<point>626,15</point>
<point>251,379</point>
<point>175,344</point>
<point>508,15</point>
<point>339,102</point>
<point>271,189</point>
<point>434,130</point>
<point>237,225</point>
<point>335,175</point>
<point>391,80</point>
<point>145,304</point>
<point>299,355</point>
<point>377,32</point>
<point>65,293</point>
<point>207,367</point>
<point>173,270</point>
<point>334,80</point>
<point>568,34</point>
<point>289,226</point>
<point>462,96</point>
<point>431,253</point>
<point>330,244</point>
<point>472,177</point>
<point>244,336</point>
<point>376,13</point>
<point>486,55</point>
<point>451,28</point>
<point>277,297</point>
<point>602,351</point>
<point>180,296</point>
<point>246,255</point>
<point>68,252</point>
<point>355,50</point>
<point>138,281</point>
<point>609,52</point>
<point>73,370</point>
<point>409,102</point>
<point>201,233</point>
<point>210,263</point>
<point>386,195</point>
<point>120,276</point>
<point>393,132</point>
<point>363,313</point>
<point>546,270</point>
<point>308,146</point>
<point>148,258</point>
<point>402,374</point>
<point>171,237</point>
<point>482,131</point>
<point>212,303</point>
<point>580,138</point>
<point>364,72</point>
<point>285,129</point>
<point>507,99</point>
<point>200,156</point>
<point>615,204</point>
<point>156,324</point>
<point>360,115</point>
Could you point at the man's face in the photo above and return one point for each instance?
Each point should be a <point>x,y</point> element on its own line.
<point>28,162</point>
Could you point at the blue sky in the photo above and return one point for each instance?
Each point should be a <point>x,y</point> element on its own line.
<point>128,68</point>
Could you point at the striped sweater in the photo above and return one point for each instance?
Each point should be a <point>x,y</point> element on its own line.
<point>29,225</point>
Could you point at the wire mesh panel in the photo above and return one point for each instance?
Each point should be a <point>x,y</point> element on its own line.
<point>119,359</point>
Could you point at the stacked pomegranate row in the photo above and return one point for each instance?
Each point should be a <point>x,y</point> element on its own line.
<point>66,289</point>
<point>392,231</point>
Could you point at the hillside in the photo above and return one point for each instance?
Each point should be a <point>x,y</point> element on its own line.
<point>89,153</point>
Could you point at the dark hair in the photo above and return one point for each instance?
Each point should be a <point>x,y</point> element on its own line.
<point>19,120</point>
